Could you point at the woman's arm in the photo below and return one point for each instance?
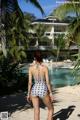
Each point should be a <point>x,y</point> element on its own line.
<point>29,82</point>
<point>48,81</point>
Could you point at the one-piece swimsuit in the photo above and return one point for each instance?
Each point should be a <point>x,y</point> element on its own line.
<point>39,88</point>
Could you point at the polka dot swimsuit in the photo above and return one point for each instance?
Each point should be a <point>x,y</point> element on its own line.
<point>39,88</point>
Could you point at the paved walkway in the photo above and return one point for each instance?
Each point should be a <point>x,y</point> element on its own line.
<point>66,105</point>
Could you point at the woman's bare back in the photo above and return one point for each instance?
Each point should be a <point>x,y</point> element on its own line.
<point>38,71</point>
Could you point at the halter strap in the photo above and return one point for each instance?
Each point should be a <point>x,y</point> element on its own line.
<point>38,77</point>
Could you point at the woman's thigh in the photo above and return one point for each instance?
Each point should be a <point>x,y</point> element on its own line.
<point>47,102</point>
<point>35,101</point>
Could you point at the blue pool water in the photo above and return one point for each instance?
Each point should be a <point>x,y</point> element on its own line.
<point>60,76</point>
<point>63,77</point>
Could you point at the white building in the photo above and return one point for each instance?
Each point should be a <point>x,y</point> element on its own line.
<point>54,27</point>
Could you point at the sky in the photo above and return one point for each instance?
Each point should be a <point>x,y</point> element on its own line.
<point>47,5</point>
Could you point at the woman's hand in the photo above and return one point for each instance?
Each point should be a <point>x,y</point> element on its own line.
<point>28,97</point>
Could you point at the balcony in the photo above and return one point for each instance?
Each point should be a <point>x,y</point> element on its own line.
<point>43,48</point>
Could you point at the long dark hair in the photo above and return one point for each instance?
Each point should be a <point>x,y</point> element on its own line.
<point>38,56</point>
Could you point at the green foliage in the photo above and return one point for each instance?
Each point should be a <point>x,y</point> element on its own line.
<point>15,37</point>
<point>16,26</point>
<point>60,41</point>
<point>76,70</point>
<point>72,8</point>
<point>67,8</point>
<point>74,30</point>
<point>39,31</point>
<point>36,3</point>
<point>16,46</point>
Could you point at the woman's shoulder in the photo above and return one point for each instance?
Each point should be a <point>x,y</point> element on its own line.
<point>44,66</point>
<point>31,66</point>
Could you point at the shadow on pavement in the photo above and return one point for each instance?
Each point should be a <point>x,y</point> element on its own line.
<point>14,102</point>
<point>17,101</point>
<point>78,115</point>
<point>64,114</point>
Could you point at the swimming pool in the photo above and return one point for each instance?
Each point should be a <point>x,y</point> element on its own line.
<point>59,76</point>
<point>63,77</point>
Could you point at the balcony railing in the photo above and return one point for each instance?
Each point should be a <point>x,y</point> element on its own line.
<point>42,47</point>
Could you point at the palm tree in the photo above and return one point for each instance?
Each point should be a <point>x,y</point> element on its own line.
<point>60,43</point>
<point>16,47</point>
<point>39,31</point>
<point>9,7</point>
<point>72,8</point>
<point>15,35</point>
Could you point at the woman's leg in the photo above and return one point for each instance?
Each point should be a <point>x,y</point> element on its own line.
<point>48,103</point>
<point>35,101</point>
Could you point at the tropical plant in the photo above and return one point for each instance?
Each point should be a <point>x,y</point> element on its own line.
<point>72,8</point>
<point>3,40</point>
<point>9,7</point>
<point>15,26</point>
<point>15,37</point>
<point>39,31</point>
<point>60,43</point>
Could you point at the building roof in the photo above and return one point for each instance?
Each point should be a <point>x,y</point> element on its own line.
<point>51,21</point>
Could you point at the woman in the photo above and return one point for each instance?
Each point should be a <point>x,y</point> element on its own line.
<point>41,87</point>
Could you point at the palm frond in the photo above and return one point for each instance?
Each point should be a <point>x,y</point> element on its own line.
<point>73,26</point>
<point>36,3</point>
<point>74,29</point>
<point>63,10</point>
